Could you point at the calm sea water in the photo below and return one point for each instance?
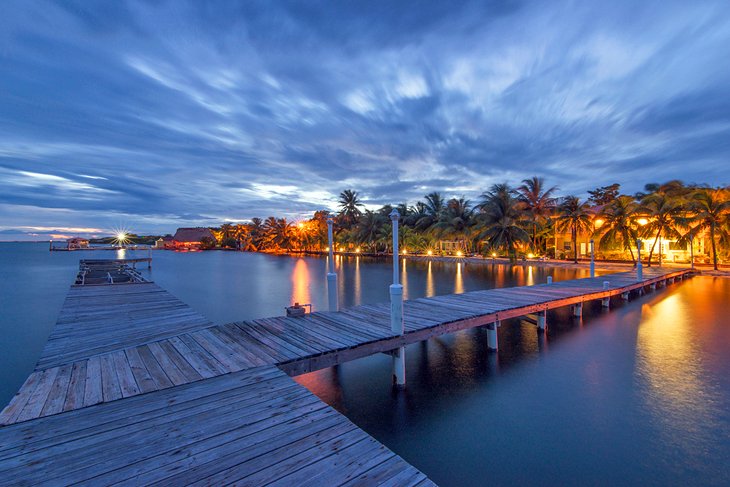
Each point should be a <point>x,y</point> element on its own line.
<point>637,395</point>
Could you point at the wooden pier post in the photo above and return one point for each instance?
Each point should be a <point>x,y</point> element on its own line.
<point>550,279</point>
<point>606,302</point>
<point>492,338</point>
<point>625,296</point>
<point>397,325</point>
<point>639,268</point>
<point>541,320</point>
<point>578,310</point>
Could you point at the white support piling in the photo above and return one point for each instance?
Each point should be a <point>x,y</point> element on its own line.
<point>593,260</point>
<point>625,296</point>
<point>639,268</point>
<point>396,309</point>
<point>652,286</point>
<point>541,320</point>
<point>331,275</point>
<point>492,339</point>
<point>606,302</point>
<point>578,310</point>
<point>550,279</point>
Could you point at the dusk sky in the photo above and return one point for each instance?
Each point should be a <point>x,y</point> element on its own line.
<point>155,115</point>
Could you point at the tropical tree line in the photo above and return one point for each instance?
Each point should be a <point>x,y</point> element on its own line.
<point>507,221</point>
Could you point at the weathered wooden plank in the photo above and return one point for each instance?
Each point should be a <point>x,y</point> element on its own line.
<point>153,367</point>
<point>175,375</point>
<point>17,403</point>
<point>57,394</point>
<point>76,386</point>
<point>127,383</point>
<point>110,388</point>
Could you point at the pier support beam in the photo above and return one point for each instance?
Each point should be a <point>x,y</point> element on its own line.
<point>639,268</point>
<point>399,367</point>
<point>625,296</point>
<point>578,310</point>
<point>492,339</point>
<point>541,320</point>
<point>606,302</point>
<point>652,286</point>
<point>550,279</point>
<point>397,325</point>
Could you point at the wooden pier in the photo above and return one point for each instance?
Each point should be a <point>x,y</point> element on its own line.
<point>119,352</point>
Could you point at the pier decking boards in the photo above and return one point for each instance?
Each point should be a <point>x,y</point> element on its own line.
<point>98,319</point>
<point>129,367</point>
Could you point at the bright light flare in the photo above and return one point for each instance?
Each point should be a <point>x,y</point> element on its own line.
<point>430,252</point>
<point>642,221</point>
<point>459,253</point>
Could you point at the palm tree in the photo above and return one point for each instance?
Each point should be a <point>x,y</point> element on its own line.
<point>537,202</point>
<point>455,220</point>
<point>349,207</point>
<point>663,212</point>
<point>711,213</point>
<point>619,227</point>
<point>575,216</point>
<point>257,233</point>
<point>369,228</point>
<point>279,233</point>
<point>499,220</point>
<point>433,207</point>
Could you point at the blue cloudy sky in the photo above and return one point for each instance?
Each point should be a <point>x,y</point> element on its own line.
<point>154,115</point>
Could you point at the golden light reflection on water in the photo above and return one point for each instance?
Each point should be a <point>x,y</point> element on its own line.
<point>357,289</point>
<point>430,285</point>
<point>300,283</point>
<point>458,280</point>
<point>669,361</point>
<point>530,276</point>
<point>404,279</point>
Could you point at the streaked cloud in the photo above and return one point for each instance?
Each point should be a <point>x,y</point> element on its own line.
<point>152,115</point>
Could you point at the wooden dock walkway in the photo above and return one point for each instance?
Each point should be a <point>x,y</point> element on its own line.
<point>255,427</point>
<point>133,356</point>
<point>135,376</point>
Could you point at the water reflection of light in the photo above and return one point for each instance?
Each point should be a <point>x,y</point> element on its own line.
<point>121,253</point>
<point>430,287</point>
<point>404,279</point>
<point>300,283</point>
<point>669,362</point>
<point>530,277</point>
<point>357,291</point>
<point>459,280</point>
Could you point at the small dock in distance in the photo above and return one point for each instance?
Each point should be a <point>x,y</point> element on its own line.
<point>78,384</point>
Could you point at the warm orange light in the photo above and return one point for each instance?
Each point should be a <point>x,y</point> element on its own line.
<point>530,256</point>
<point>459,253</point>
<point>327,249</point>
<point>300,225</point>
<point>598,223</point>
<point>430,252</point>
<point>494,254</point>
<point>405,251</point>
<point>357,250</point>
<point>642,221</point>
